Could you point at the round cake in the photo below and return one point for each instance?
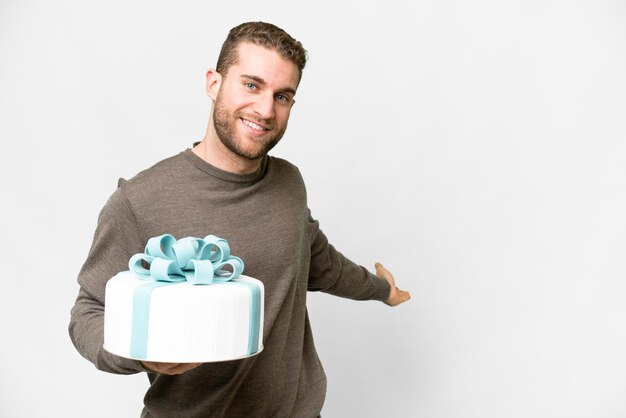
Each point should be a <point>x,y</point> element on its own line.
<point>181,322</point>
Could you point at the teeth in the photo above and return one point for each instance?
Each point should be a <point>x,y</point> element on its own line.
<point>253,125</point>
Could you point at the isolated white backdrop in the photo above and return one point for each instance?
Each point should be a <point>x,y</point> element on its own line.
<point>476,148</point>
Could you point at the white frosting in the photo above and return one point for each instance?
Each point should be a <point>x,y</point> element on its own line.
<point>187,324</point>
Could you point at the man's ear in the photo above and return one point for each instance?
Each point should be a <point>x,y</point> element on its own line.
<point>213,83</point>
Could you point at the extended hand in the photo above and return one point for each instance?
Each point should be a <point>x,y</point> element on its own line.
<point>169,368</point>
<point>396,296</point>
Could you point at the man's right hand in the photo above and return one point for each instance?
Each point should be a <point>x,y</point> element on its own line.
<point>396,296</point>
<point>169,368</point>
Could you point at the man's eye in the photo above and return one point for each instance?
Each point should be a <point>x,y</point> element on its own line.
<point>282,98</point>
<point>250,86</point>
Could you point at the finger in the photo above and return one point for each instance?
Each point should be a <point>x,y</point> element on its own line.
<point>403,296</point>
<point>169,368</point>
<point>190,366</point>
<point>157,367</point>
<point>163,368</point>
<point>399,296</point>
<point>380,269</point>
<point>181,368</point>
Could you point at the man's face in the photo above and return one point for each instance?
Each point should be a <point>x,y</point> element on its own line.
<point>254,101</point>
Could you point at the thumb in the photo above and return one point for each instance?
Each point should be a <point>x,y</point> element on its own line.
<point>379,268</point>
<point>382,272</point>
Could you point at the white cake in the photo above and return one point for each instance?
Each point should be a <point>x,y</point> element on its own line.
<point>183,323</point>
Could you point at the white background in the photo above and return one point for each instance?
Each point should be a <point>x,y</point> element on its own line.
<point>477,149</point>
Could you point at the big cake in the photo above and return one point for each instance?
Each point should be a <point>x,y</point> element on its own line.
<point>184,301</point>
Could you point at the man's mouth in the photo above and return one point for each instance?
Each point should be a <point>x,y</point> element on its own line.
<point>254,125</point>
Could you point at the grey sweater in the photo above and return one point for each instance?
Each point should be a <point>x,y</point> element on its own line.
<point>264,217</point>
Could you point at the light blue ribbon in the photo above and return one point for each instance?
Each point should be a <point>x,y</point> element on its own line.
<point>197,261</point>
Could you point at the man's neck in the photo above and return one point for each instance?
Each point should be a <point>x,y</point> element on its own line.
<point>214,152</point>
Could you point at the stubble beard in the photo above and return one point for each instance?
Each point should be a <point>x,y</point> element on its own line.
<point>225,124</point>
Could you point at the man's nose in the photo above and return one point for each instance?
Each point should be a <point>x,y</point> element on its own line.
<point>264,106</point>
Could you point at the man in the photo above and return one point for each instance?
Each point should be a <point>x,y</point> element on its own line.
<point>228,186</point>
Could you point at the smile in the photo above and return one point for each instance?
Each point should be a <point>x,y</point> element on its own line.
<point>253,125</point>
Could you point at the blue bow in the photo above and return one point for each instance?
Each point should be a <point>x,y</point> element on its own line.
<point>195,260</point>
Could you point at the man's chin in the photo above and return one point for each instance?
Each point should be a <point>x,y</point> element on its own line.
<point>252,153</point>
<point>250,147</point>
<point>250,156</point>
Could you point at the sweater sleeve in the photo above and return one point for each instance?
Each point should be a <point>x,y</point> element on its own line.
<point>116,239</point>
<point>331,272</point>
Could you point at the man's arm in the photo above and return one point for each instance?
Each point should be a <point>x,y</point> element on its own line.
<point>331,272</point>
<point>115,240</point>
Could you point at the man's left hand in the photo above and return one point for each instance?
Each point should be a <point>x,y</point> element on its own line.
<point>396,296</point>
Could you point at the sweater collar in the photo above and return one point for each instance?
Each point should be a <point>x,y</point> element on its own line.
<point>226,175</point>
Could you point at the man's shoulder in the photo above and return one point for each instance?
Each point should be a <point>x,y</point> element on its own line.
<point>155,177</point>
<point>160,168</point>
<point>283,166</point>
